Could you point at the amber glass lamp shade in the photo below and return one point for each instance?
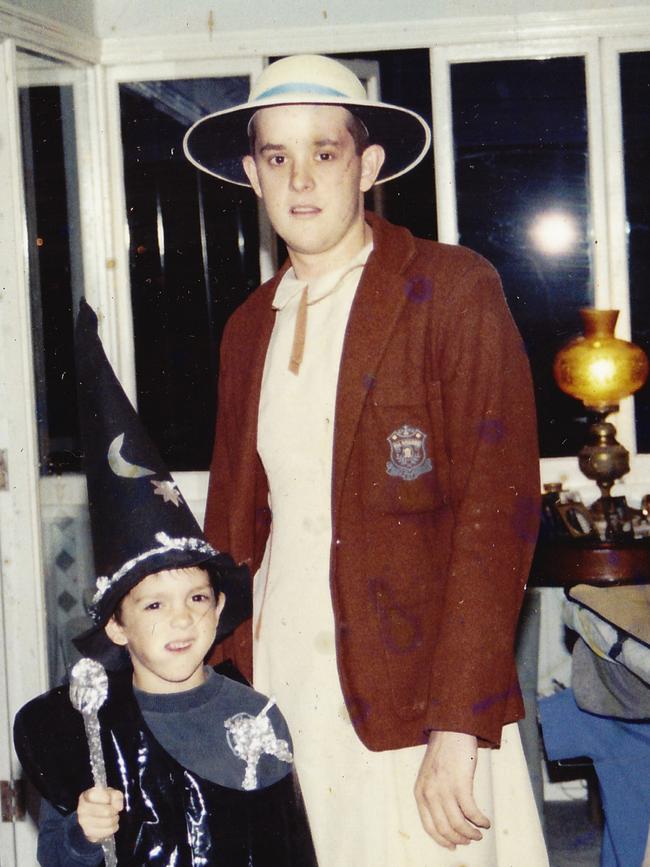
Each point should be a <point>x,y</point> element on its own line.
<point>598,368</point>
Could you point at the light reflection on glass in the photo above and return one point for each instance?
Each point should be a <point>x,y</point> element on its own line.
<point>554,233</point>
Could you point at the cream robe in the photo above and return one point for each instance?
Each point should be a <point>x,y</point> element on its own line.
<point>360,803</point>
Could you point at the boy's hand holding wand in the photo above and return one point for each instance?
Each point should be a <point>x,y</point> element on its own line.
<point>98,808</point>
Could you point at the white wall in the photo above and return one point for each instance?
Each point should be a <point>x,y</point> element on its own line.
<point>127,18</point>
<point>109,19</point>
<point>72,13</point>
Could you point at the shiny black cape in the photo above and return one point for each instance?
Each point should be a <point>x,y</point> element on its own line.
<point>171,816</point>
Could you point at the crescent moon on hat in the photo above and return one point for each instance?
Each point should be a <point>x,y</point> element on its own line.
<point>122,467</point>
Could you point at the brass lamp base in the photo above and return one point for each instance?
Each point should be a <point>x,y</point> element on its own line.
<point>604,460</point>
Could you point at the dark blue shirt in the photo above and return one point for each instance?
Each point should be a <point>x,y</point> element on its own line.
<point>190,726</point>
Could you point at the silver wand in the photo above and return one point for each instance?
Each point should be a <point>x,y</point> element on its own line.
<point>88,691</point>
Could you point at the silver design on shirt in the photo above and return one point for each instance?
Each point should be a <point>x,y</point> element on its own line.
<point>251,737</point>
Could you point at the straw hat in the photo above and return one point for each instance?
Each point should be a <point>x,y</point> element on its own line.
<point>217,143</point>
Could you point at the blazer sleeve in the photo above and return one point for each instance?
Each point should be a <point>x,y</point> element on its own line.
<point>230,510</point>
<point>220,487</point>
<point>491,439</point>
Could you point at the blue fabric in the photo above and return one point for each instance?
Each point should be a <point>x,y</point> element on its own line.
<point>620,752</point>
<point>190,727</point>
<point>300,87</point>
<point>62,843</point>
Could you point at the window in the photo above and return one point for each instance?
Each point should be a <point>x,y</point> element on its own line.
<point>525,191</point>
<point>522,186</point>
<point>404,79</point>
<point>193,255</point>
<point>635,97</point>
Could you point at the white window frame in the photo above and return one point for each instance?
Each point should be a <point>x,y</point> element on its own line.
<point>612,48</point>
<point>22,610</point>
<point>585,33</point>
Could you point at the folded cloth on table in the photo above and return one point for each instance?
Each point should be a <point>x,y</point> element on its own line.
<point>606,688</point>
<point>608,639</point>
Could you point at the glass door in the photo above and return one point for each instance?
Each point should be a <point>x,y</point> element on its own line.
<point>52,142</point>
<point>22,633</point>
<point>46,193</point>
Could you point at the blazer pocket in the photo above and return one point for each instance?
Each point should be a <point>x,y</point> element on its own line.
<point>404,465</point>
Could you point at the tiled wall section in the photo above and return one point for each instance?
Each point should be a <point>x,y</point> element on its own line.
<point>69,579</point>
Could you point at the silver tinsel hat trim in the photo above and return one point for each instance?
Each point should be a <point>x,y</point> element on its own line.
<point>104,583</point>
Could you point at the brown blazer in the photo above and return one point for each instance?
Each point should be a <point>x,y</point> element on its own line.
<point>427,573</point>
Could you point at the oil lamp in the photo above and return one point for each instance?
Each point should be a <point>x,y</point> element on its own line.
<point>600,370</point>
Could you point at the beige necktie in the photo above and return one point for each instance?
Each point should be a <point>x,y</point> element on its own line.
<point>300,329</point>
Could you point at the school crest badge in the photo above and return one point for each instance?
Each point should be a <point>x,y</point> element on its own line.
<point>408,453</point>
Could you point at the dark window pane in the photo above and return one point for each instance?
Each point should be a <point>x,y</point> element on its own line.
<point>405,80</point>
<point>193,255</point>
<point>635,95</point>
<point>49,163</point>
<point>520,134</point>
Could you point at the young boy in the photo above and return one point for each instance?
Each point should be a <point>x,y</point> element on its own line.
<point>198,765</point>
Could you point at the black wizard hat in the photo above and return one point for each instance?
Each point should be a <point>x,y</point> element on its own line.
<point>139,521</point>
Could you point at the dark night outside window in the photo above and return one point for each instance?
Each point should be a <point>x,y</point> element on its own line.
<point>193,251</point>
<point>635,96</point>
<point>521,144</point>
<point>405,80</point>
<point>520,134</point>
<point>49,229</point>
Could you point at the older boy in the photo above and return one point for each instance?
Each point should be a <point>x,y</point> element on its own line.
<point>199,766</point>
<point>376,395</point>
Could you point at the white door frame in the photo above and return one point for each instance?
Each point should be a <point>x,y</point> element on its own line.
<point>23,614</point>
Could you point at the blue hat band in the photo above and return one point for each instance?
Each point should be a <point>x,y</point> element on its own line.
<point>300,87</point>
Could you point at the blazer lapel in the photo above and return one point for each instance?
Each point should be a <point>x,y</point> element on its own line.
<point>377,306</point>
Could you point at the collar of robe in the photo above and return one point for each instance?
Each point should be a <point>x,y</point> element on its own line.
<point>310,294</point>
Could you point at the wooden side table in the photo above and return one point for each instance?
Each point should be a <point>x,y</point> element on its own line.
<point>565,562</point>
